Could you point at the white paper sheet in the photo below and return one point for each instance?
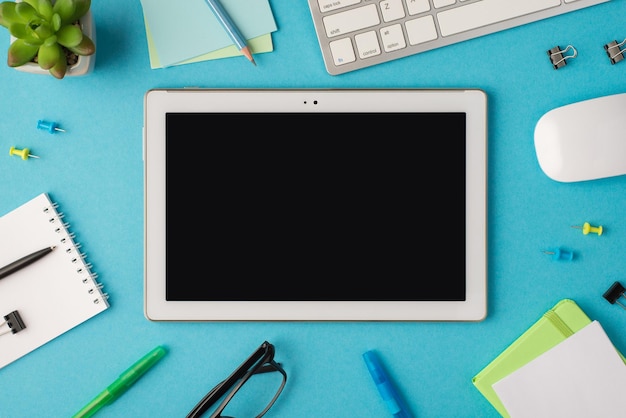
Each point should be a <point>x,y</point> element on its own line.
<point>583,376</point>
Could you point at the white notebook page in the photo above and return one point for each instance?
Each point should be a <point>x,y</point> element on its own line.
<point>583,376</point>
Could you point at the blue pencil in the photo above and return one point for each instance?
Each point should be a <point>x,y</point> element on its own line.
<point>230,28</point>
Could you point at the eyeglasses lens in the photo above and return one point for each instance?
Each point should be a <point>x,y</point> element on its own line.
<point>253,398</point>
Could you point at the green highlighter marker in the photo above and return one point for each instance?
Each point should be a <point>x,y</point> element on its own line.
<point>123,383</point>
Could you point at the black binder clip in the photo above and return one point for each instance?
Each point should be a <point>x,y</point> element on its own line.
<point>614,51</point>
<point>558,59</point>
<point>14,321</point>
<point>614,293</point>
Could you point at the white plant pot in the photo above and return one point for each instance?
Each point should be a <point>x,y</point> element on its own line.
<point>83,66</point>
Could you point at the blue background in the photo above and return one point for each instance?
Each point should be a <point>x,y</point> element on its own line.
<point>95,172</point>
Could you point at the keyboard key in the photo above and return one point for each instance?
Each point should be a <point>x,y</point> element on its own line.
<point>342,51</point>
<point>417,6</point>
<point>442,3</point>
<point>392,38</point>
<point>330,5</point>
<point>485,12</point>
<point>421,30</point>
<point>367,44</point>
<point>345,22</point>
<point>391,10</point>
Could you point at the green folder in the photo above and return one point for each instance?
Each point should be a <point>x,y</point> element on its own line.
<point>558,323</point>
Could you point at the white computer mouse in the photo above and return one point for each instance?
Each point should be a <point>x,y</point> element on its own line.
<point>584,140</point>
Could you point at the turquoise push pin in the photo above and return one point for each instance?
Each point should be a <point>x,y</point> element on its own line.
<point>51,127</point>
<point>560,254</point>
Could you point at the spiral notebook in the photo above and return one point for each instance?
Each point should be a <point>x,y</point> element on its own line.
<point>50,296</point>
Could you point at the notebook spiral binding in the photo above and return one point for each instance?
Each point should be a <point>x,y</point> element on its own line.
<point>71,248</point>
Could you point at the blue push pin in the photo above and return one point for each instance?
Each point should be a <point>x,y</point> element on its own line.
<point>51,127</point>
<point>559,254</point>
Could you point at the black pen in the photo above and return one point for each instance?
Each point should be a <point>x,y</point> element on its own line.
<point>24,261</point>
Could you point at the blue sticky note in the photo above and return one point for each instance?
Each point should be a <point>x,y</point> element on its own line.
<point>185,29</point>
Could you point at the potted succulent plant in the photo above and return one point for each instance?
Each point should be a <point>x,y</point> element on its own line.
<point>47,36</point>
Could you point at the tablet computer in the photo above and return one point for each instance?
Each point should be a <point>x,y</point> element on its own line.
<point>315,204</point>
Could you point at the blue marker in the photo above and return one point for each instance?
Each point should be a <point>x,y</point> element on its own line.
<point>385,387</point>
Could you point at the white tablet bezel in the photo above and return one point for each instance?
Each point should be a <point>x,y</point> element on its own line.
<point>158,102</point>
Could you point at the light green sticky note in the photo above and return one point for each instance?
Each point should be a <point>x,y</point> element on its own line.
<point>186,29</point>
<point>258,45</point>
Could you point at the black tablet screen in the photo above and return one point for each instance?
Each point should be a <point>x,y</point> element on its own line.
<point>315,206</point>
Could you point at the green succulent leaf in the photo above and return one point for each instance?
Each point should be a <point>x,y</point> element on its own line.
<point>66,9</point>
<point>25,11</point>
<point>40,29</point>
<point>20,53</point>
<point>8,15</point>
<point>70,36</point>
<point>71,10</point>
<point>22,31</point>
<point>82,7</point>
<point>56,22</point>
<point>43,7</point>
<point>85,47</point>
<point>59,69</point>
<point>50,41</point>
<point>18,30</point>
<point>49,55</point>
<point>33,3</point>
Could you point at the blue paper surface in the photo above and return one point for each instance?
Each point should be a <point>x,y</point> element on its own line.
<point>96,170</point>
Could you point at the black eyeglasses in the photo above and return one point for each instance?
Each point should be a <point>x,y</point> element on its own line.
<point>256,393</point>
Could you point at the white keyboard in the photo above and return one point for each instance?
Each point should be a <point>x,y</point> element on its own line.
<point>354,34</point>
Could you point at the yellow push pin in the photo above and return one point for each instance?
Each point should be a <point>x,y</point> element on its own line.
<point>587,228</point>
<point>24,153</point>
